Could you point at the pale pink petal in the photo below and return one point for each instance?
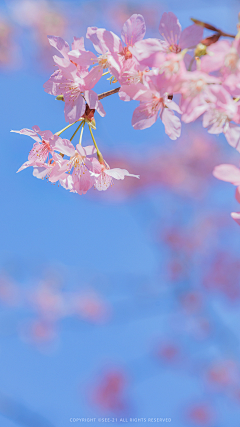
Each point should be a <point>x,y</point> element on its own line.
<point>233,136</point>
<point>173,106</point>
<point>82,183</point>
<point>172,123</point>
<point>64,146</point>
<point>215,56</point>
<point>133,30</point>
<point>67,183</point>
<point>143,118</point>
<point>96,166</point>
<point>236,217</point>
<point>45,134</point>
<point>100,109</point>
<point>170,28</point>
<point>138,92</point>
<point>91,98</point>
<point>103,182</point>
<point>60,45</point>
<point>118,173</point>
<point>52,85</point>
<point>89,150</point>
<point>25,165</point>
<point>228,173</point>
<point>63,62</point>
<point>103,40</point>
<point>58,170</point>
<point>28,132</point>
<point>41,171</point>
<point>191,36</point>
<point>192,108</point>
<point>78,43</point>
<point>114,64</point>
<point>84,59</point>
<point>74,109</point>
<point>92,77</point>
<point>149,51</point>
<point>93,33</point>
<point>111,41</point>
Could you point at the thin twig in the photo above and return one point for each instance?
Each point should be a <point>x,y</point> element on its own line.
<point>110,92</point>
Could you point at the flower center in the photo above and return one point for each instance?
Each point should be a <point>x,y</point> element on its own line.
<point>174,48</point>
<point>126,53</point>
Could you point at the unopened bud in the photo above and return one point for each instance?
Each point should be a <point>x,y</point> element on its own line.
<point>200,50</point>
<point>59,98</point>
<point>211,40</point>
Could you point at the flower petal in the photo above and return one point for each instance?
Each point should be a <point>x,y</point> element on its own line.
<point>170,28</point>
<point>118,173</point>
<point>228,173</point>
<point>133,30</point>
<point>28,132</point>
<point>60,45</point>
<point>191,36</point>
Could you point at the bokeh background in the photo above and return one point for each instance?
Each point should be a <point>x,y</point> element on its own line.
<point>124,304</point>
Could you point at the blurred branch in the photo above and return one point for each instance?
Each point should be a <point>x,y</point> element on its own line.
<point>212,28</point>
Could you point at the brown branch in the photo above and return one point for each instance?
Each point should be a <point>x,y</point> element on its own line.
<point>110,92</point>
<point>211,27</point>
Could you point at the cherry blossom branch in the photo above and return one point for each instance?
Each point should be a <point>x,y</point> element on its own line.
<point>100,96</point>
<point>211,27</point>
<point>110,92</point>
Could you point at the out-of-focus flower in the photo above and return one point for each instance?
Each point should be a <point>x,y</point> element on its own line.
<point>109,393</point>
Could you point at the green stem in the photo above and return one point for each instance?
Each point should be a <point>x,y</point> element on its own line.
<point>191,63</point>
<point>99,154</point>
<point>76,130</point>
<point>61,131</point>
<point>81,134</point>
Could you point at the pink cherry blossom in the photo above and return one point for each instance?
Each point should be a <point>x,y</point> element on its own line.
<point>154,103</point>
<point>72,81</point>
<point>45,145</point>
<point>112,51</point>
<point>150,51</point>
<point>176,39</point>
<point>82,165</point>
<point>195,94</point>
<point>221,110</point>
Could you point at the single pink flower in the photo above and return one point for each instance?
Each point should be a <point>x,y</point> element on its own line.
<point>195,94</point>
<point>45,145</point>
<point>154,103</point>
<point>221,110</point>
<point>149,52</point>
<point>82,165</point>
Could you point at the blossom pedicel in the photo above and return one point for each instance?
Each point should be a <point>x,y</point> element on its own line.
<point>204,73</point>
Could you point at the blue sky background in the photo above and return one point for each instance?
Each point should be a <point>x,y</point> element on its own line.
<point>109,245</point>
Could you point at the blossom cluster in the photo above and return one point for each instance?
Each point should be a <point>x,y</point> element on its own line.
<point>202,75</point>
